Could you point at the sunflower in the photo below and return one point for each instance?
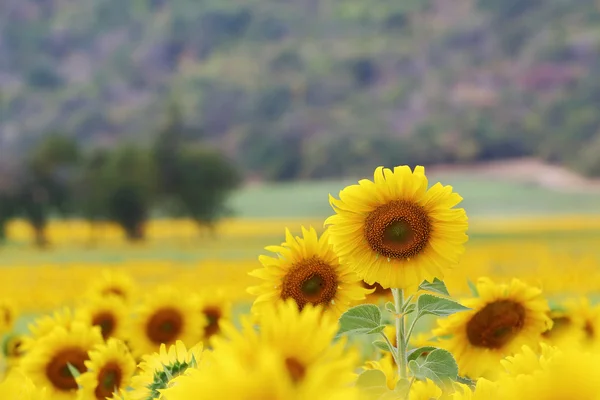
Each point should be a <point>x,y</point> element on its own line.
<point>17,386</point>
<point>484,390</point>
<point>386,365</point>
<point>158,370</point>
<point>568,373</point>
<point>502,319</point>
<point>47,363</point>
<point>588,318</point>
<point>216,309</point>
<point>108,312</point>
<point>112,282</point>
<point>395,231</point>
<point>313,357</point>
<point>424,390</point>
<point>8,315</point>
<point>42,326</point>
<point>307,270</point>
<point>109,371</point>
<point>231,377</point>
<point>13,349</point>
<point>165,316</point>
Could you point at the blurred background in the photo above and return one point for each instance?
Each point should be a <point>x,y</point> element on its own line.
<point>153,135</point>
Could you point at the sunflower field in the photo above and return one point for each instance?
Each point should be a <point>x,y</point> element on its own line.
<point>396,295</point>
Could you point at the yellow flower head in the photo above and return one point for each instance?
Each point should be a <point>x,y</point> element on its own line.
<point>47,363</point>
<point>107,312</point>
<point>307,270</point>
<point>109,371</point>
<point>502,319</point>
<point>303,338</point>
<point>158,370</point>
<point>165,316</point>
<point>395,231</point>
<point>17,386</point>
<point>113,283</point>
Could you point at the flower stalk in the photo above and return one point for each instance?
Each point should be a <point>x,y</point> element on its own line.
<point>401,358</point>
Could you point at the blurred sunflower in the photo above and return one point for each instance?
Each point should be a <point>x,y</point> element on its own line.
<point>231,377</point>
<point>165,316</point>
<point>8,315</point>
<point>108,312</point>
<point>113,282</point>
<point>158,370</point>
<point>589,317</point>
<point>396,232</point>
<point>109,371</point>
<point>307,270</point>
<point>424,390</point>
<point>13,349</point>
<point>484,390</point>
<point>216,309</point>
<point>567,373</point>
<point>17,386</point>
<point>43,325</point>
<point>502,319</point>
<point>47,363</point>
<point>386,365</point>
<point>313,357</point>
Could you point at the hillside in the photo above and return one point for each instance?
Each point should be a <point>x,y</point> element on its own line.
<point>310,88</point>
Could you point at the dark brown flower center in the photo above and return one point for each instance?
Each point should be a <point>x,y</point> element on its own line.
<point>57,370</point>
<point>110,378</point>
<point>589,330</point>
<point>107,323</point>
<point>398,230</point>
<point>164,326</point>
<point>559,324</point>
<point>295,369</point>
<point>310,281</point>
<point>496,324</point>
<point>213,315</point>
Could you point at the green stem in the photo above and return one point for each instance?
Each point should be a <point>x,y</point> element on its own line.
<point>393,350</point>
<point>412,326</point>
<point>400,341</point>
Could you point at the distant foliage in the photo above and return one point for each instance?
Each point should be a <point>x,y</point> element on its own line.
<point>284,85</point>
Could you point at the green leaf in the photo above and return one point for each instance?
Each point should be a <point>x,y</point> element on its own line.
<point>365,318</point>
<point>437,286</point>
<point>399,392</point>
<point>380,328</point>
<point>439,366</point>
<point>372,382</point>
<point>390,307</point>
<point>74,371</point>
<point>416,353</point>
<point>473,288</point>
<point>383,345</point>
<point>440,306</point>
<point>409,308</point>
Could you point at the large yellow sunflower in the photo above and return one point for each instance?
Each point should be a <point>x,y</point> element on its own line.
<point>109,371</point>
<point>396,232</point>
<point>165,316</point>
<point>46,363</point>
<point>108,312</point>
<point>158,370</point>
<point>17,386</point>
<point>307,270</point>
<point>229,376</point>
<point>502,319</point>
<point>304,338</point>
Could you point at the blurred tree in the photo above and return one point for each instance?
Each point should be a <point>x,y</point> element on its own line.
<point>47,184</point>
<point>128,181</point>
